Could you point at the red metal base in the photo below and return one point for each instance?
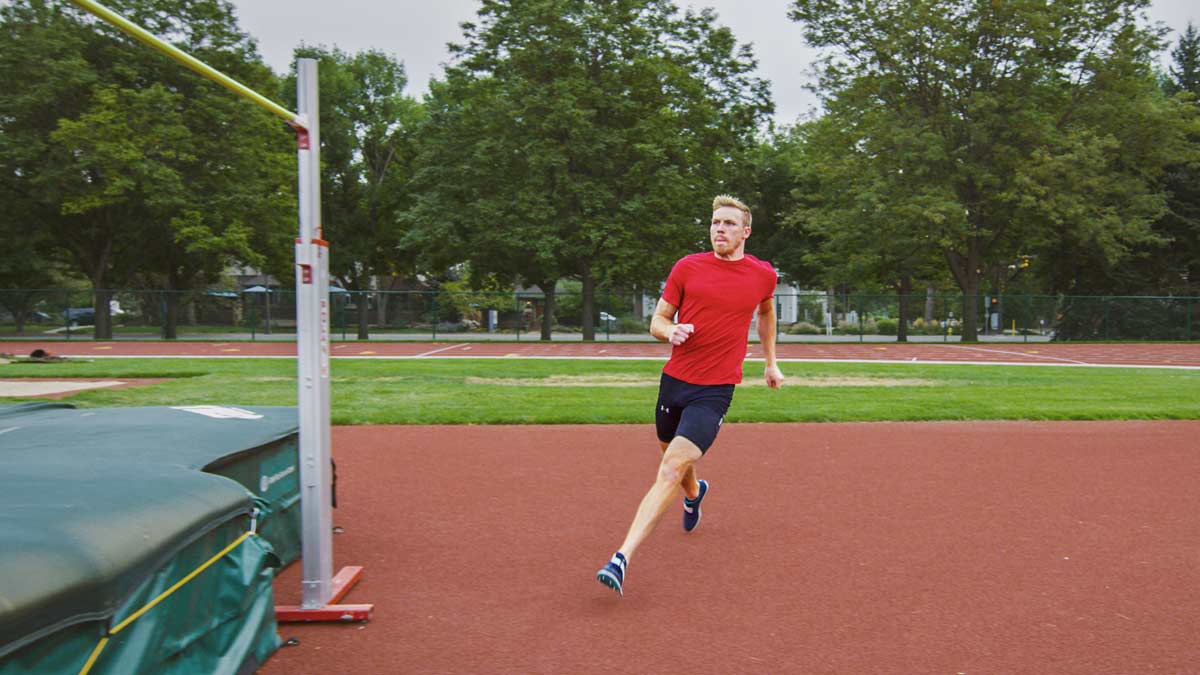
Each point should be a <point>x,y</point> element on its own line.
<point>342,582</point>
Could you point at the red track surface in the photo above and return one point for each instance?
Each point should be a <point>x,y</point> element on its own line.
<point>1002,547</point>
<point>1005,547</point>
<point>1156,354</point>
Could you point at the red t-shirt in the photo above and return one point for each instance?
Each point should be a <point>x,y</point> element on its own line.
<point>719,298</point>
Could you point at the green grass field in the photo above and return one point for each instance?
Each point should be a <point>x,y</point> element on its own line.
<point>512,391</point>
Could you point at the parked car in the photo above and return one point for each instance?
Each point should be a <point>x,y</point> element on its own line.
<point>86,316</point>
<point>30,317</point>
<point>80,316</point>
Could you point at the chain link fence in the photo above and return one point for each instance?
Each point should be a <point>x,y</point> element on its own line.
<point>258,313</point>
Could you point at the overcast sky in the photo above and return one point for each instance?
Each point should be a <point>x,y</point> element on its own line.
<point>416,33</point>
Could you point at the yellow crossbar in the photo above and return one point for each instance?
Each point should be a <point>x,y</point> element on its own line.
<point>187,60</point>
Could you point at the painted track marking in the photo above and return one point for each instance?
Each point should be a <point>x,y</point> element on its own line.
<point>1069,364</point>
<point>1002,351</point>
<point>435,351</point>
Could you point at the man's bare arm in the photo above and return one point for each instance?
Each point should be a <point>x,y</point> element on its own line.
<point>766,336</point>
<point>663,326</point>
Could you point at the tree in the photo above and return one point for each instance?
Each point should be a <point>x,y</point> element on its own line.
<point>368,145</point>
<point>1181,223</point>
<point>135,167</point>
<point>779,180</point>
<point>118,183</point>
<point>26,266</point>
<point>997,128</point>
<point>1185,72</point>
<point>576,139</point>
<point>864,223</point>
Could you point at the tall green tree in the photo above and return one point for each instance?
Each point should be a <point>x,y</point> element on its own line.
<point>368,145</point>
<point>996,129</point>
<point>139,170</point>
<point>26,266</point>
<point>1178,261</point>
<point>778,171</point>
<point>1185,71</point>
<point>578,139</point>
<point>865,223</point>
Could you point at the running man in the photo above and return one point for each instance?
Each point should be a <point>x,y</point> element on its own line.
<point>715,295</point>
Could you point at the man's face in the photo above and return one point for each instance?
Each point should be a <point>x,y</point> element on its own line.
<point>727,231</point>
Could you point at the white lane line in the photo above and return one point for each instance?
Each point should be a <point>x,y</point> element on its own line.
<point>1023,354</point>
<point>1015,364</point>
<point>435,351</point>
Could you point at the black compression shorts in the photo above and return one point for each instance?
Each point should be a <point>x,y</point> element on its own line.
<point>694,411</point>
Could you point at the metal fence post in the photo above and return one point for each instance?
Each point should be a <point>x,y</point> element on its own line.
<point>435,313</point>
<point>946,313</point>
<point>778,312</point>
<point>860,318</point>
<point>608,311</point>
<point>1028,315</point>
<point>253,318</point>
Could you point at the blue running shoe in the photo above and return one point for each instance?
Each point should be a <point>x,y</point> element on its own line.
<point>691,508</point>
<point>613,573</point>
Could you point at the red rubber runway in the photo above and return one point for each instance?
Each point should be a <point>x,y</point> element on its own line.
<point>999,547</point>
<point>1150,354</point>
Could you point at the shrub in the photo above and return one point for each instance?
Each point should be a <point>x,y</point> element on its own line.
<point>931,328</point>
<point>568,308</point>
<point>803,328</point>
<point>886,326</point>
<point>628,324</point>
<point>867,327</point>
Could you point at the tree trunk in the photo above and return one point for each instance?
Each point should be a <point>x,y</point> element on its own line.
<point>95,264</point>
<point>639,307</point>
<point>380,309</point>
<point>968,270</point>
<point>102,328</point>
<point>902,320</point>
<point>589,301</point>
<point>548,310</point>
<point>970,329</point>
<point>929,298</point>
<point>171,315</point>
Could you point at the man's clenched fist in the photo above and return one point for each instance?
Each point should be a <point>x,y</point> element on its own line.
<point>681,332</point>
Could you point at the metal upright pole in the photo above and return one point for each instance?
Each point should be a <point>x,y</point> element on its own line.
<point>312,323</point>
<point>320,587</point>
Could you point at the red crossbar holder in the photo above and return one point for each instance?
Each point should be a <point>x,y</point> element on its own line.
<point>342,582</point>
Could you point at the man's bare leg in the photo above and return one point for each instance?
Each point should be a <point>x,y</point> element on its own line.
<point>679,459</point>
<point>690,483</point>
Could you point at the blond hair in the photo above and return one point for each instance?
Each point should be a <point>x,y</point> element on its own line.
<point>729,200</point>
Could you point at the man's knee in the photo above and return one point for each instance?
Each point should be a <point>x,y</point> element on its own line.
<point>679,456</point>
